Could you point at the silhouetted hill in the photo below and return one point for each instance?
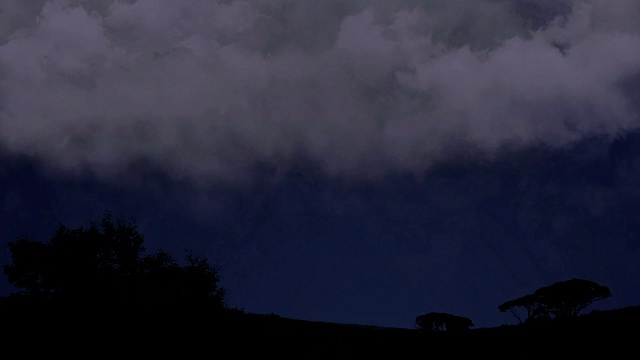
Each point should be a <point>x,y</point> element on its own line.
<point>243,335</point>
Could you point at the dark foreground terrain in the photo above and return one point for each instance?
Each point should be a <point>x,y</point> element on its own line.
<point>233,334</point>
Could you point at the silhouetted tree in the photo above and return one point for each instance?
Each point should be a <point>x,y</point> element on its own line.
<point>529,302</point>
<point>568,298</point>
<point>562,299</point>
<point>101,261</point>
<point>104,263</point>
<point>167,283</point>
<point>437,321</point>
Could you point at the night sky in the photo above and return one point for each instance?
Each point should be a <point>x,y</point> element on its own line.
<point>345,161</point>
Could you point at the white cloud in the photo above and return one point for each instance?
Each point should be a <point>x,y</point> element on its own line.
<point>208,89</point>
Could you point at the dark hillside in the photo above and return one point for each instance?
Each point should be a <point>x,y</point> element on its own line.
<point>242,335</point>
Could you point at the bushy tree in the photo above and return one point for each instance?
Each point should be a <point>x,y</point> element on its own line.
<point>166,283</point>
<point>104,263</point>
<point>99,261</point>
<point>438,321</point>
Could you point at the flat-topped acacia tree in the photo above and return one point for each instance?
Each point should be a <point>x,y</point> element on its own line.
<point>569,298</point>
<point>563,299</point>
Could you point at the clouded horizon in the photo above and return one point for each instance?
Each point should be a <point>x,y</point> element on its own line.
<point>418,154</point>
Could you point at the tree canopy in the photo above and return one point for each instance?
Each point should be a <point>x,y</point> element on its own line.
<point>529,302</point>
<point>563,299</point>
<point>568,298</point>
<point>105,264</point>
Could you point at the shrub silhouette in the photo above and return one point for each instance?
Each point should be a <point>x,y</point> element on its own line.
<point>437,321</point>
<point>165,283</point>
<point>564,299</point>
<point>104,264</point>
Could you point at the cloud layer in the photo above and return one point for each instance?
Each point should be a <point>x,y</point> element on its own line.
<point>207,90</point>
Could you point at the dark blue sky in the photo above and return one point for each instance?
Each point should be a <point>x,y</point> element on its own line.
<point>462,239</point>
<point>343,161</point>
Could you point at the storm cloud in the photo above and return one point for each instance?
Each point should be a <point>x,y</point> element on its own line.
<point>207,90</point>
